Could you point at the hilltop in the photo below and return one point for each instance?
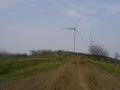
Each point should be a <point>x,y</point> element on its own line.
<point>59,70</point>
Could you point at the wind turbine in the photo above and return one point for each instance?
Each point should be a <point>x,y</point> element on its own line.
<point>75,31</point>
<point>91,39</point>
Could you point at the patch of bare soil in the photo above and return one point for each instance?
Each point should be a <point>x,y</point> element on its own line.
<point>76,75</point>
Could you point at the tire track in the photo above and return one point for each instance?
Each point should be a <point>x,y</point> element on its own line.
<point>75,75</point>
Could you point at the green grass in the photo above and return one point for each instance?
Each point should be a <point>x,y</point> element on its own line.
<point>15,68</point>
<point>110,67</point>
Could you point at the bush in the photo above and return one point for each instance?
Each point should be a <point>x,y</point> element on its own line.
<point>98,50</point>
<point>5,54</point>
<point>39,52</point>
<point>117,55</point>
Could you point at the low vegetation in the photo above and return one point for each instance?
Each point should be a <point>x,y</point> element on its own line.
<point>105,63</point>
<point>12,68</point>
<point>15,68</point>
<point>111,67</point>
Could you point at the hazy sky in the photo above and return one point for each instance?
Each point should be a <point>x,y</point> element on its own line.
<point>35,24</point>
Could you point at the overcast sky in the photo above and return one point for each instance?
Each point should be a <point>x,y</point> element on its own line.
<point>35,24</point>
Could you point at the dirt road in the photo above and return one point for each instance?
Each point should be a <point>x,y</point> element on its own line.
<point>76,75</point>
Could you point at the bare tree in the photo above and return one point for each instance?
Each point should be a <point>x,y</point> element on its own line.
<point>96,49</point>
<point>117,55</point>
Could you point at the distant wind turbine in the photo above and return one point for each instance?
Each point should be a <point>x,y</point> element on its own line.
<point>75,31</point>
<point>91,39</point>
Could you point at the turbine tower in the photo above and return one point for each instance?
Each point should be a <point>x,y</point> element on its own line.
<point>91,41</point>
<point>75,31</point>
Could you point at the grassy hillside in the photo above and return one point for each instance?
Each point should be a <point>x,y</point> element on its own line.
<point>18,67</point>
<point>15,68</point>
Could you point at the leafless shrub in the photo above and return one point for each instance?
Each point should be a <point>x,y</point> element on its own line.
<point>117,55</point>
<point>98,50</point>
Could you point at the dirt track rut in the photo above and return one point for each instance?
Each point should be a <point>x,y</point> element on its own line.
<point>76,75</point>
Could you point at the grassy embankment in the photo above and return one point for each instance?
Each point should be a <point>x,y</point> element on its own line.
<point>110,67</point>
<point>15,68</point>
<point>105,64</point>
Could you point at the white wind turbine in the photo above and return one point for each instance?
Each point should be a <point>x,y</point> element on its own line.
<point>91,41</point>
<point>75,31</point>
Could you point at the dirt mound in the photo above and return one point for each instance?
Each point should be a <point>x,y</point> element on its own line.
<point>76,75</point>
<point>79,63</point>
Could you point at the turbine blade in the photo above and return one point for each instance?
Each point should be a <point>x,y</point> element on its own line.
<point>78,22</point>
<point>69,28</point>
<point>79,35</point>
